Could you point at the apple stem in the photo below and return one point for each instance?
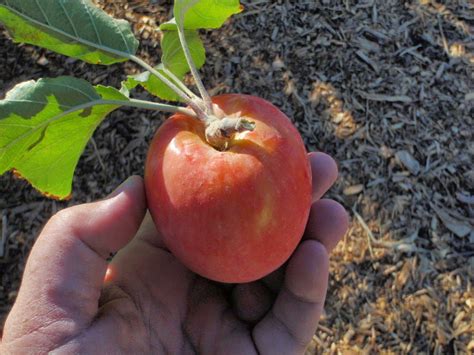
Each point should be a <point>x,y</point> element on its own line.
<point>192,66</point>
<point>193,103</point>
<point>221,131</point>
<point>180,84</point>
<point>149,105</point>
<point>160,76</point>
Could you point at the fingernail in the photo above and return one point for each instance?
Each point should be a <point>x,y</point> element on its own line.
<point>126,185</point>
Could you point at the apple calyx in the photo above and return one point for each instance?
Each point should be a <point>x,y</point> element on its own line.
<point>221,131</point>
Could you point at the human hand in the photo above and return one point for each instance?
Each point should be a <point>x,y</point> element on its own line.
<point>72,301</point>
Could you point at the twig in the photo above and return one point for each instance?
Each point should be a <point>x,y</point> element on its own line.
<point>307,113</point>
<point>318,341</point>
<point>197,78</point>
<point>149,105</point>
<point>325,329</point>
<point>101,162</point>
<point>195,106</point>
<point>180,84</point>
<point>370,236</point>
<point>445,42</point>
<point>160,76</point>
<point>3,242</point>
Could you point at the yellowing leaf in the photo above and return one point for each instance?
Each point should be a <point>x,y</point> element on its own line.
<point>45,126</point>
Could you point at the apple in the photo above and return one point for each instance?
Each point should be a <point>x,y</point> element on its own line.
<point>236,214</point>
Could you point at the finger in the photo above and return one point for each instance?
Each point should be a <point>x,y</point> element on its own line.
<point>328,222</point>
<point>149,233</point>
<point>251,301</point>
<point>290,324</point>
<point>65,271</point>
<point>148,238</point>
<point>324,173</point>
<point>274,281</point>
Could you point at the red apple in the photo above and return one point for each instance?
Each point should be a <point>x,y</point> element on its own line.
<point>235,215</point>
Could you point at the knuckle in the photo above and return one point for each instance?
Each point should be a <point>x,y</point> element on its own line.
<point>64,216</point>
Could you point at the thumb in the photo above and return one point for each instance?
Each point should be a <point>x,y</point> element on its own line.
<point>65,271</point>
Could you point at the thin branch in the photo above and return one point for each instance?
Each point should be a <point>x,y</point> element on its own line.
<point>199,112</point>
<point>99,158</point>
<point>370,236</point>
<point>180,83</point>
<point>187,53</point>
<point>3,241</point>
<point>160,76</point>
<point>132,102</point>
<point>154,106</point>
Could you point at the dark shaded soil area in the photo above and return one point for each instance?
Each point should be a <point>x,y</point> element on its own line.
<point>385,87</point>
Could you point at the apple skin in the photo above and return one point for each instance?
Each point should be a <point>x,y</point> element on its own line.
<point>231,216</point>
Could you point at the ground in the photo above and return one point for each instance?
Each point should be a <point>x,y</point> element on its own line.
<point>385,87</point>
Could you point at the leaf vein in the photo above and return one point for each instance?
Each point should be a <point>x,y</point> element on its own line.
<point>61,2</point>
<point>74,89</point>
<point>123,37</point>
<point>50,120</point>
<point>14,125</point>
<point>28,101</point>
<point>42,12</point>
<point>68,35</point>
<point>93,22</point>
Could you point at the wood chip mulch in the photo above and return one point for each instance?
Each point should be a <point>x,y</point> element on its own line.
<point>385,87</point>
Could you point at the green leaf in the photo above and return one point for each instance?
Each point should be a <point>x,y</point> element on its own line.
<point>202,14</point>
<point>174,60</point>
<point>198,14</point>
<point>45,126</point>
<point>151,83</point>
<point>173,57</point>
<point>75,28</point>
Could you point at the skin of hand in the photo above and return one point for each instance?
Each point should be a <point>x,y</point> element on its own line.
<point>144,301</point>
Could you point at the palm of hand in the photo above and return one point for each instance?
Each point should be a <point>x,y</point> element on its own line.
<point>172,310</point>
<point>150,303</point>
